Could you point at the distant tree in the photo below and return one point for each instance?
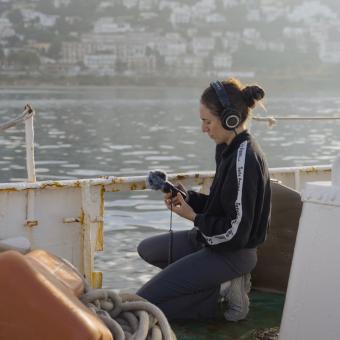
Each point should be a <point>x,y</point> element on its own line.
<point>81,25</point>
<point>160,60</point>
<point>164,20</point>
<point>15,16</point>
<point>149,51</point>
<point>207,62</point>
<point>39,34</point>
<point>47,7</point>
<point>2,56</point>
<point>24,59</point>
<point>121,66</point>
<point>14,41</point>
<point>62,26</point>
<point>219,47</point>
<point>54,51</point>
<point>118,10</point>
<point>85,9</point>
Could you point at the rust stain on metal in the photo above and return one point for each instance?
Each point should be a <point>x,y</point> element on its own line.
<point>32,223</point>
<point>314,169</point>
<point>133,186</point>
<point>54,184</point>
<point>82,216</point>
<point>10,190</point>
<point>118,180</point>
<point>179,177</point>
<point>97,280</point>
<point>100,229</point>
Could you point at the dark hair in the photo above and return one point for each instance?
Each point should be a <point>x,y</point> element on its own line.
<point>241,97</point>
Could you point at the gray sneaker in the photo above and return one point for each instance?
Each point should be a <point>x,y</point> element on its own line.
<point>224,289</point>
<point>237,298</point>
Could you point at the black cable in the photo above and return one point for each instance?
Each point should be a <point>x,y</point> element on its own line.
<point>171,237</point>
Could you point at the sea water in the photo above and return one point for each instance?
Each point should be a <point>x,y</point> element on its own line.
<point>125,131</point>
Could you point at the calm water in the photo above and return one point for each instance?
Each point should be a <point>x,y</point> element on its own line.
<point>82,133</point>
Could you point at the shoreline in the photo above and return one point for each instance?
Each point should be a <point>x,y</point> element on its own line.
<point>272,84</point>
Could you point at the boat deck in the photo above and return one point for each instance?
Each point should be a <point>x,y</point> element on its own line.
<point>265,312</point>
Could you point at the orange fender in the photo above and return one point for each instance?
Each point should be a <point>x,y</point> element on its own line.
<point>39,300</point>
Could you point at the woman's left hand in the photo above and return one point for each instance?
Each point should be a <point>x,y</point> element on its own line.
<point>180,207</point>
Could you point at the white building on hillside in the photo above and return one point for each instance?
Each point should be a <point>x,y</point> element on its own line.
<point>100,61</point>
<point>231,41</point>
<point>44,19</point>
<point>330,52</point>
<point>147,5</point>
<point>6,28</point>
<point>59,3</point>
<point>215,18</point>
<point>202,46</point>
<point>181,15</point>
<point>253,14</point>
<point>74,52</point>
<point>251,36</point>
<point>202,8</point>
<point>311,12</point>
<point>171,45</point>
<point>108,25</point>
<point>222,61</point>
<point>230,3</point>
<point>130,3</point>
<point>169,4</point>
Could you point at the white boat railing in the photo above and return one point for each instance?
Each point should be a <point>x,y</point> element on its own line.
<point>67,216</point>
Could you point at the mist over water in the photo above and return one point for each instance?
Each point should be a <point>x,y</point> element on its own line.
<point>91,132</point>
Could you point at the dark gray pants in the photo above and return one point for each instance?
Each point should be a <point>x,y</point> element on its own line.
<point>189,287</point>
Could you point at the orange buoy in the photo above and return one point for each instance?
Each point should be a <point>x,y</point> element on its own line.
<point>39,300</point>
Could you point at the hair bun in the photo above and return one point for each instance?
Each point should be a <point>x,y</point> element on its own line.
<point>251,94</point>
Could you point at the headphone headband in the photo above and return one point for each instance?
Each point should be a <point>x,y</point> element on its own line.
<point>221,93</point>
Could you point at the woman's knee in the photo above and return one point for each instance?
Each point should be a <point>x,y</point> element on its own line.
<point>150,251</point>
<point>142,250</point>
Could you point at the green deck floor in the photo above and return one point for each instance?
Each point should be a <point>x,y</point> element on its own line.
<point>265,312</point>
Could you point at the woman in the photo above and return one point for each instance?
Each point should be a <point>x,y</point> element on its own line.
<point>229,223</point>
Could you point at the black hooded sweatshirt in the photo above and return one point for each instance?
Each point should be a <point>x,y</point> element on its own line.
<point>236,213</point>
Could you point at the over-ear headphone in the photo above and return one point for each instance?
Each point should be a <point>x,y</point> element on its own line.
<point>230,118</point>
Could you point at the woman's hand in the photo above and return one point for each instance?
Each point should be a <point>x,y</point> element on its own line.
<point>179,206</point>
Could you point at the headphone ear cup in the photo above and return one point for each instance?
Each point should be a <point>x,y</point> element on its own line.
<point>230,119</point>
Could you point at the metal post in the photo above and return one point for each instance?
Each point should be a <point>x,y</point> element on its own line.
<point>30,165</point>
<point>29,136</point>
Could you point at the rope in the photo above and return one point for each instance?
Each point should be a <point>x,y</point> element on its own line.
<point>28,113</point>
<point>273,120</point>
<point>128,316</point>
<point>171,238</point>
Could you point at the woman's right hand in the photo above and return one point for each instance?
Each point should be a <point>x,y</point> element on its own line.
<point>178,205</point>
<point>168,196</point>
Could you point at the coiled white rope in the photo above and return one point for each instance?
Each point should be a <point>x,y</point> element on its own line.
<point>27,113</point>
<point>128,316</point>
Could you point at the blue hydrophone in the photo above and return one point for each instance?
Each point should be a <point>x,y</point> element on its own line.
<point>157,180</point>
